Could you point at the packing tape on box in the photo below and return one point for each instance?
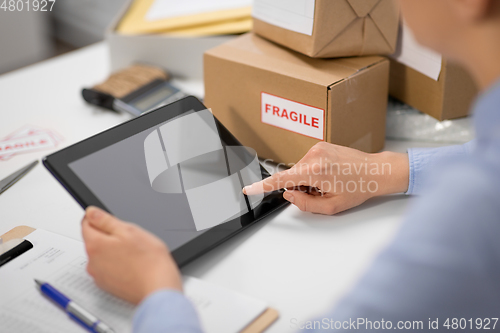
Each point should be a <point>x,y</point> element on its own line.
<point>352,89</point>
<point>186,156</point>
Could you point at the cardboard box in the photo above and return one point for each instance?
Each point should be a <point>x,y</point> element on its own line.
<point>181,56</point>
<point>421,78</point>
<point>450,97</point>
<point>329,28</point>
<point>281,103</point>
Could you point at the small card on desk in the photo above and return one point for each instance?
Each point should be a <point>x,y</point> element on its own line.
<point>28,139</point>
<point>62,261</point>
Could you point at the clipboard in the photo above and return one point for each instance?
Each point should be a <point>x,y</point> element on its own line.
<point>17,249</point>
<point>17,232</point>
<point>260,324</point>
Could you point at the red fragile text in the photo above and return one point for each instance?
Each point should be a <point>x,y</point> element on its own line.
<point>292,115</point>
<point>7,147</point>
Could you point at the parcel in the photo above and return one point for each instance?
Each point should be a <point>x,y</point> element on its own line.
<point>281,103</point>
<point>329,28</point>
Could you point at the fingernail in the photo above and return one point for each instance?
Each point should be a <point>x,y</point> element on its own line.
<point>95,213</point>
<point>246,188</point>
<point>288,196</point>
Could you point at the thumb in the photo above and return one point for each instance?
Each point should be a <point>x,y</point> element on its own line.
<point>326,205</point>
<point>101,220</point>
<point>284,179</point>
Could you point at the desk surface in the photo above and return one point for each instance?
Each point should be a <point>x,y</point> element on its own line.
<point>300,263</point>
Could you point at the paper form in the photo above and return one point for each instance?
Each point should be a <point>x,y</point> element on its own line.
<point>294,15</point>
<point>412,54</point>
<point>61,261</point>
<point>162,9</point>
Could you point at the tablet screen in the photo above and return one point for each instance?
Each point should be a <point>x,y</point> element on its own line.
<point>175,171</point>
<point>177,179</point>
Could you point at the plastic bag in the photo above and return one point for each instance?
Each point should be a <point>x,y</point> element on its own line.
<point>407,123</point>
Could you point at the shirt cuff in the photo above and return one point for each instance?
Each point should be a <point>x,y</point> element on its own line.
<point>166,311</point>
<point>421,160</point>
<point>415,162</point>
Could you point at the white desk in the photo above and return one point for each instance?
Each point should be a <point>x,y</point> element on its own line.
<point>300,263</point>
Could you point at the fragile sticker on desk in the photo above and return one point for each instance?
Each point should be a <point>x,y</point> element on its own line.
<point>26,140</point>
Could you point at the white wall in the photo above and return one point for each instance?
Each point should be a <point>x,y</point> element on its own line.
<point>82,22</point>
<point>24,38</point>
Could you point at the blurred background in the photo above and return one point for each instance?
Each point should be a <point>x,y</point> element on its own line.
<point>27,37</point>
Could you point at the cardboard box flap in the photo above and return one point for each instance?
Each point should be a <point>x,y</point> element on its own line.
<point>332,27</point>
<point>257,52</point>
<point>363,27</point>
<point>340,28</point>
<point>360,63</point>
<point>385,22</point>
<point>363,7</point>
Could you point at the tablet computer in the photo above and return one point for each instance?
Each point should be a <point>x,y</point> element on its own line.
<point>175,171</point>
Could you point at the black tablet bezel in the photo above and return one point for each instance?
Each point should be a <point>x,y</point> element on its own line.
<point>58,165</point>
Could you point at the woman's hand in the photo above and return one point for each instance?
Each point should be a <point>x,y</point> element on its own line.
<point>126,260</point>
<point>330,178</point>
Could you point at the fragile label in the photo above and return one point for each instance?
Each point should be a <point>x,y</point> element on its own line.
<point>292,116</point>
<point>26,140</point>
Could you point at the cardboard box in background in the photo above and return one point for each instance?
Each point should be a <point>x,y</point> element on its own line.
<point>450,97</point>
<point>329,28</point>
<point>424,80</point>
<point>250,82</point>
<point>181,56</point>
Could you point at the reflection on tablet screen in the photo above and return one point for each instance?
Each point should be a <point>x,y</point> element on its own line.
<point>178,178</point>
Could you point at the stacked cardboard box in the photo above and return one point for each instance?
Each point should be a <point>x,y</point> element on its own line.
<point>421,78</point>
<point>277,95</point>
<point>336,28</point>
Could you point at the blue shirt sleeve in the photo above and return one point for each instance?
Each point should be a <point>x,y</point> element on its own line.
<point>441,269</point>
<point>166,311</point>
<point>422,161</point>
<point>443,264</point>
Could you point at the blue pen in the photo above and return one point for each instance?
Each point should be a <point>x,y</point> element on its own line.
<point>75,311</point>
